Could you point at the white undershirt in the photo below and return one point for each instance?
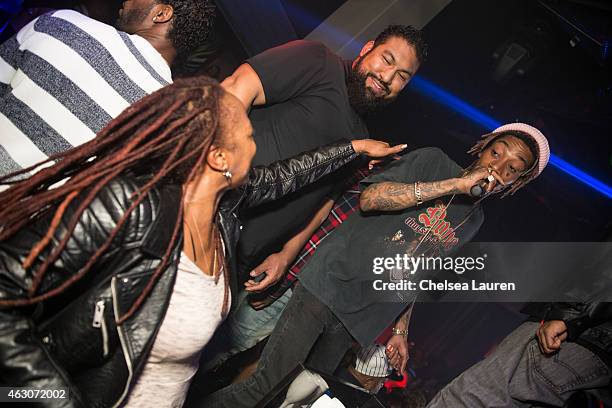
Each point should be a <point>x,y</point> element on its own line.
<point>193,315</point>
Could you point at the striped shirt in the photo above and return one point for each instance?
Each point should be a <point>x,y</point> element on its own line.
<point>63,77</point>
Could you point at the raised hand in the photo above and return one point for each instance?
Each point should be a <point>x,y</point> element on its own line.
<point>375,148</point>
<point>477,174</point>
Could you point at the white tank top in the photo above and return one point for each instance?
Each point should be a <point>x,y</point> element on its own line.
<point>192,317</point>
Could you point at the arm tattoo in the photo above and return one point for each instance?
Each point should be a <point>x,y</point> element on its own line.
<point>387,196</point>
<point>391,196</point>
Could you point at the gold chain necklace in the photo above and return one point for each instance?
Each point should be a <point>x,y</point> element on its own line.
<point>215,236</point>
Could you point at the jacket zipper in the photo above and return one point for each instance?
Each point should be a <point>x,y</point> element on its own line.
<point>123,342</point>
<point>100,323</point>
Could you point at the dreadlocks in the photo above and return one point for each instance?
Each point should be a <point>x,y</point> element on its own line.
<point>163,137</point>
<point>528,175</point>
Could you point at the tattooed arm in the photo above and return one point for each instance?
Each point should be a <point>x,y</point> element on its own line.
<point>390,196</point>
<point>393,196</point>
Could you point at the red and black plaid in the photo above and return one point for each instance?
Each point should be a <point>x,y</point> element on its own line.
<point>344,206</point>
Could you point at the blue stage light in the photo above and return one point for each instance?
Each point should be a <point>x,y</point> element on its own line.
<point>581,175</point>
<point>444,97</point>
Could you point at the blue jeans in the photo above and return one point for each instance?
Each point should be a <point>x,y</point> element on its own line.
<point>244,328</point>
<point>517,374</point>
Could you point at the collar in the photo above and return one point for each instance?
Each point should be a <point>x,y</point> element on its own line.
<point>157,238</point>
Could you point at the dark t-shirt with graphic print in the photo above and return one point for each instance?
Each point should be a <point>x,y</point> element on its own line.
<point>340,274</point>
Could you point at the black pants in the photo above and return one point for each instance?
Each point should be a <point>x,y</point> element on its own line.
<point>307,329</point>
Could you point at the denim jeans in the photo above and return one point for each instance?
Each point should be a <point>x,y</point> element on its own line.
<point>243,329</point>
<point>517,374</point>
<point>307,331</point>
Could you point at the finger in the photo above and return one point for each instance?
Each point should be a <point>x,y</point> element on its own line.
<point>563,336</point>
<point>556,344</point>
<point>373,163</point>
<point>550,341</point>
<point>259,269</point>
<point>547,342</point>
<point>479,173</point>
<point>259,286</point>
<point>391,355</point>
<point>543,342</point>
<point>259,304</point>
<point>397,148</point>
<point>497,181</point>
<point>395,362</point>
<point>403,363</point>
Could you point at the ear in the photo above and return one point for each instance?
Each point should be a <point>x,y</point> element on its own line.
<point>162,13</point>
<point>366,48</point>
<point>217,159</point>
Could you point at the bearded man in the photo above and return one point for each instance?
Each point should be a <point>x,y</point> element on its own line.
<point>301,95</point>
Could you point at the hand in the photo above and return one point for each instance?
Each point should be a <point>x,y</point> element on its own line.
<point>262,303</point>
<point>275,266</point>
<point>376,162</point>
<point>474,176</point>
<point>550,336</point>
<point>376,148</point>
<point>397,352</point>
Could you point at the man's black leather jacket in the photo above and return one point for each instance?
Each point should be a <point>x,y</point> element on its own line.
<point>71,340</point>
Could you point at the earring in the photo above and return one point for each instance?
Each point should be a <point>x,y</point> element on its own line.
<point>228,175</point>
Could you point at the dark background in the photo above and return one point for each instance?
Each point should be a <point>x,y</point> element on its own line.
<point>564,90</point>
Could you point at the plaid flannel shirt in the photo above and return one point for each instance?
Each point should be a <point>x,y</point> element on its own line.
<point>344,206</point>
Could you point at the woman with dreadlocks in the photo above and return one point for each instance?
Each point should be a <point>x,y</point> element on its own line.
<point>116,260</point>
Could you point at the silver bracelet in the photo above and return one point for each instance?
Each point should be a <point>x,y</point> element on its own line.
<point>417,193</point>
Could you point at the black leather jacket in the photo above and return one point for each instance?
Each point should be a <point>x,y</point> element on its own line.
<point>71,340</point>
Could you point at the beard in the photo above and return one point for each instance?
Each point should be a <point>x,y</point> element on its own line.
<point>361,98</point>
<point>129,20</point>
